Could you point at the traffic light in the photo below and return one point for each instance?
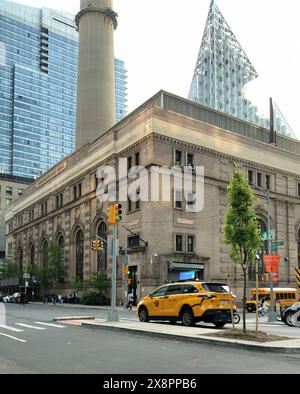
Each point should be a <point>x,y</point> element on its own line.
<point>101,246</point>
<point>114,214</point>
<point>118,212</point>
<point>125,271</point>
<point>95,246</point>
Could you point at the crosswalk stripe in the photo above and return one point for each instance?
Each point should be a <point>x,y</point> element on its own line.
<point>29,326</point>
<point>10,328</point>
<point>14,338</point>
<point>49,325</point>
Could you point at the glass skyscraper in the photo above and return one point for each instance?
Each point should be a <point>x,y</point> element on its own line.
<point>222,72</point>
<point>38,83</point>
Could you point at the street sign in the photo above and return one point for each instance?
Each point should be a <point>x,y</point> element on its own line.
<point>279,243</point>
<point>274,248</point>
<point>265,235</point>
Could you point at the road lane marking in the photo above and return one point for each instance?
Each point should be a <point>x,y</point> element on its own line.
<point>29,326</point>
<point>49,325</point>
<point>14,338</point>
<point>5,327</point>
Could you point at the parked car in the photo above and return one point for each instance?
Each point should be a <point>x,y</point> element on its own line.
<point>6,298</point>
<point>188,302</point>
<point>287,315</point>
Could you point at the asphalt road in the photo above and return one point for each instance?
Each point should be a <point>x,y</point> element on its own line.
<point>61,349</point>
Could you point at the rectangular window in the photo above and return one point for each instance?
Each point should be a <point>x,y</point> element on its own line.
<point>259,179</point>
<point>179,243</point>
<point>190,198</point>
<point>75,192</point>
<point>268,182</point>
<point>178,199</point>
<point>298,189</point>
<point>137,159</point>
<point>178,157</point>
<point>129,163</point>
<point>190,159</point>
<point>20,192</point>
<point>8,202</point>
<point>129,205</point>
<point>79,190</point>
<point>9,191</point>
<point>250,177</point>
<point>61,197</point>
<point>191,244</point>
<point>56,202</point>
<point>134,242</point>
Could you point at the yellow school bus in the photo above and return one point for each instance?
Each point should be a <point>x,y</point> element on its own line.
<point>283,296</point>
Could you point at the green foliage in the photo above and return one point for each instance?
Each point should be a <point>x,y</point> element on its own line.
<point>241,229</point>
<point>99,283</point>
<point>94,298</point>
<point>53,270</point>
<point>78,284</point>
<point>9,270</point>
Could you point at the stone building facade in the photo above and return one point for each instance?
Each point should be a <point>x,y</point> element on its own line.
<point>163,240</point>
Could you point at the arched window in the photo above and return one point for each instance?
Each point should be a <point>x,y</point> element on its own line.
<point>45,254</point>
<point>79,254</point>
<point>20,259</point>
<point>31,255</point>
<point>102,257</point>
<point>261,253</point>
<point>61,245</point>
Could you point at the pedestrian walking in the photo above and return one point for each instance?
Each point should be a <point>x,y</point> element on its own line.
<point>23,299</point>
<point>60,299</point>
<point>130,299</point>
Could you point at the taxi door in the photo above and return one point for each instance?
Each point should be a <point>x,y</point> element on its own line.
<point>156,302</point>
<point>173,300</point>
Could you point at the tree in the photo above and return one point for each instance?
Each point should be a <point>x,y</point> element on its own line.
<point>99,283</point>
<point>53,270</point>
<point>241,229</point>
<point>9,270</point>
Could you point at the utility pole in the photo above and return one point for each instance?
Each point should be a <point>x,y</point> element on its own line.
<point>114,214</point>
<point>113,313</point>
<point>272,313</point>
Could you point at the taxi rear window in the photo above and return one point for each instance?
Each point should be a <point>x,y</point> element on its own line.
<point>214,287</point>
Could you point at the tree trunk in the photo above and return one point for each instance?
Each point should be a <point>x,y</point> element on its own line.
<point>244,299</point>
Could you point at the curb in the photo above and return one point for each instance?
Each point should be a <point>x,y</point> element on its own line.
<point>74,318</point>
<point>200,340</point>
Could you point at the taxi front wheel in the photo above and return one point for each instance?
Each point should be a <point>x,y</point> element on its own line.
<point>187,318</point>
<point>143,315</point>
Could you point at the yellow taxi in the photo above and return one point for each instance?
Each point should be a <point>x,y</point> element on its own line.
<point>188,302</point>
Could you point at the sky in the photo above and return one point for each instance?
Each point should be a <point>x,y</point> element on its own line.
<point>159,41</point>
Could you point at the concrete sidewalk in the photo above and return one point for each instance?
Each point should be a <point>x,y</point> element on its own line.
<point>187,334</point>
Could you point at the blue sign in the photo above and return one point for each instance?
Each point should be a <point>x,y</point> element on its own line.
<point>188,275</point>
